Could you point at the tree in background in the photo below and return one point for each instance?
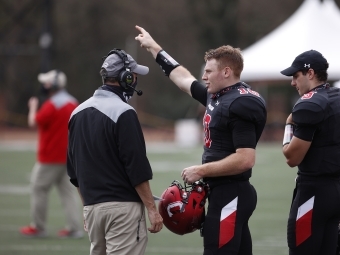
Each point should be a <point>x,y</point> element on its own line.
<point>84,31</point>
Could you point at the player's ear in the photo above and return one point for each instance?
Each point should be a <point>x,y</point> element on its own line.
<point>310,73</point>
<point>227,71</point>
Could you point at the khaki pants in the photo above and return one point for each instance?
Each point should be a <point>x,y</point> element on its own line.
<point>44,177</point>
<point>116,228</point>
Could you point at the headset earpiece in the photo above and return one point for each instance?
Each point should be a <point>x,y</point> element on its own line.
<point>125,77</point>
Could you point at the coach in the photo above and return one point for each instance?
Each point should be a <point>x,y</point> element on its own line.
<point>107,162</point>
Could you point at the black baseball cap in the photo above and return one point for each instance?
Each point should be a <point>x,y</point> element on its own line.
<point>311,59</point>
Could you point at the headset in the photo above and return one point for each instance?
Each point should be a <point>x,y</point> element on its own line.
<point>125,77</point>
<point>55,83</point>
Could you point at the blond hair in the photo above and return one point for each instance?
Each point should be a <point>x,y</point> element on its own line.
<point>227,55</point>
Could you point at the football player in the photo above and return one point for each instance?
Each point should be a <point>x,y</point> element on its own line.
<point>233,123</point>
<point>312,143</point>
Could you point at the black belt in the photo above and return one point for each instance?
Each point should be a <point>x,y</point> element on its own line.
<point>224,181</point>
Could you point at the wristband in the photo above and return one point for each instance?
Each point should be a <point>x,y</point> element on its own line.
<point>166,62</point>
<point>288,134</point>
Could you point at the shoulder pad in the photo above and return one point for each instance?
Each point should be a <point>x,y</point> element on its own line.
<point>246,85</point>
<point>307,113</point>
<point>249,108</point>
<point>316,97</point>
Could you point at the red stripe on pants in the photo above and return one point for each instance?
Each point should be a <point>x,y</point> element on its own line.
<point>304,227</point>
<point>227,229</point>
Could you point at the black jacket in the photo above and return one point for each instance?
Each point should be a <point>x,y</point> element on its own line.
<point>106,152</point>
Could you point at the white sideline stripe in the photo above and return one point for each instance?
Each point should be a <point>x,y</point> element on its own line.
<point>266,245</point>
<point>152,147</point>
<point>269,244</point>
<point>9,228</point>
<point>14,189</point>
<point>35,247</point>
<point>12,213</point>
<point>157,166</point>
<point>170,166</point>
<point>170,147</point>
<point>18,146</point>
<point>41,248</point>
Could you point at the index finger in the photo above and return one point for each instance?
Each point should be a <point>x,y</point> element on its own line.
<point>140,29</point>
<point>183,171</point>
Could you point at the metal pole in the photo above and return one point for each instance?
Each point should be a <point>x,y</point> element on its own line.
<point>45,40</point>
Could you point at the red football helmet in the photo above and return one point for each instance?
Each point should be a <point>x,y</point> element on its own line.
<point>182,209</point>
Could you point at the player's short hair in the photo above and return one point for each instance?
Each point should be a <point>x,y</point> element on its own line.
<point>321,75</point>
<point>227,55</point>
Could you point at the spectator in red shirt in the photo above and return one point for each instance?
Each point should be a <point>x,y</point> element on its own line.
<point>50,169</point>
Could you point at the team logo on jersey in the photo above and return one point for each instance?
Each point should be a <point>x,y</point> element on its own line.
<point>308,95</point>
<point>247,91</point>
<point>211,108</point>
<point>217,103</point>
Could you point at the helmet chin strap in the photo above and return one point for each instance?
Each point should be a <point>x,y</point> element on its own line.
<point>185,198</point>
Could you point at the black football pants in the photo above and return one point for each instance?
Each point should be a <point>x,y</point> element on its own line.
<point>314,217</point>
<point>226,228</point>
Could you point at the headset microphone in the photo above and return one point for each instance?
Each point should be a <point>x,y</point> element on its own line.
<point>139,92</point>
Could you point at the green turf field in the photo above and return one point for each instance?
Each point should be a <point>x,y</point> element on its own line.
<point>272,178</point>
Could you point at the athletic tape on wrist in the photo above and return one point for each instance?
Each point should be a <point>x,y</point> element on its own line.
<point>288,134</point>
<point>166,62</point>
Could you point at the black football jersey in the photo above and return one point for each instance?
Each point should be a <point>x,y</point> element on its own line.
<point>317,118</point>
<point>234,118</point>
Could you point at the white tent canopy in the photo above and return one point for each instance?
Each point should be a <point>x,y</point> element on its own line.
<point>315,25</point>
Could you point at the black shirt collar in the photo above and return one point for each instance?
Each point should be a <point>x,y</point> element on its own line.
<point>225,90</point>
<point>322,86</point>
<point>115,89</point>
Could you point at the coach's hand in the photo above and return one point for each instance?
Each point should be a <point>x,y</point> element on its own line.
<point>85,227</point>
<point>156,221</point>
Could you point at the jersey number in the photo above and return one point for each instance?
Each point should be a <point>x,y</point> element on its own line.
<point>206,122</point>
<point>308,95</point>
<point>246,91</point>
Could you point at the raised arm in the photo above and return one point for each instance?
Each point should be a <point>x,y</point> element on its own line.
<point>177,73</point>
<point>33,108</point>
